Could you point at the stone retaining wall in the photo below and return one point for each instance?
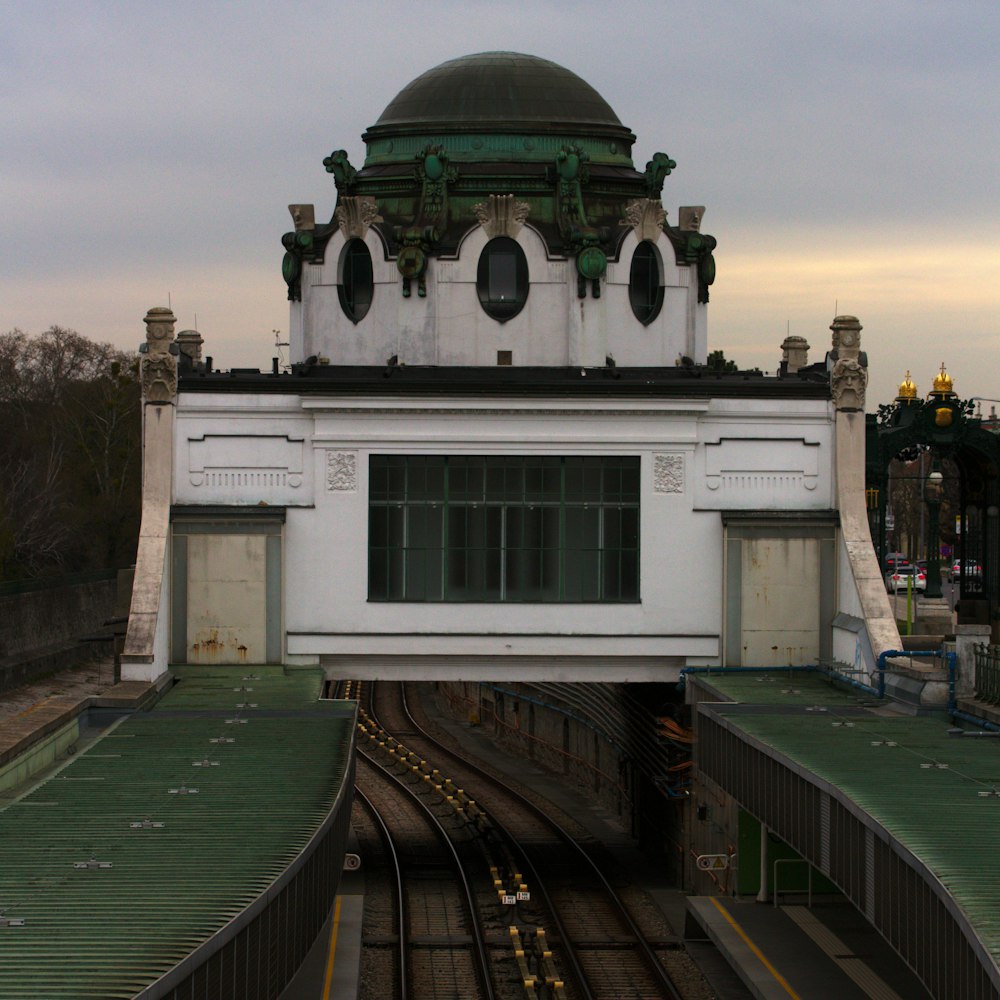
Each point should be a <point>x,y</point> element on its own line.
<point>40,628</point>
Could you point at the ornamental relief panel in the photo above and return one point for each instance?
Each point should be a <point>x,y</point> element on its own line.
<point>668,473</point>
<point>356,215</point>
<point>501,215</point>
<point>341,472</point>
<point>646,216</point>
<point>245,467</point>
<point>762,464</point>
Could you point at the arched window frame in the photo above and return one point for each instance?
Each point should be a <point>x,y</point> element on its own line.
<point>355,279</point>
<point>645,282</point>
<point>502,281</point>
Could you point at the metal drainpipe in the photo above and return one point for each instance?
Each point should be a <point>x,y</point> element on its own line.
<point>953,710</point>
<point>895,653</point>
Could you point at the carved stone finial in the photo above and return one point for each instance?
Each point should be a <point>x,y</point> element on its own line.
<point>159,365</point>
<point>848,382</point>
<point>846,337</point>
<point>646,217</point>
<point>794,353</point>
<point>501,215</point>
<point>356,215</point>
<point>189,343</point>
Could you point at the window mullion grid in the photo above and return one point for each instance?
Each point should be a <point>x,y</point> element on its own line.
<point>406,528</point>
<point>503,551</point>
<point>445,528</point>
<point>602,554</point>
<point>562,529</point>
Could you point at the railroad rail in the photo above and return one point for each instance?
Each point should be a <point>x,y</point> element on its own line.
<point>570,933</point>
<point>434,942</point>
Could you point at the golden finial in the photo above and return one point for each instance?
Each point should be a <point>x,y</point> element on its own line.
<point>942,383</point>
<point>907,389</point>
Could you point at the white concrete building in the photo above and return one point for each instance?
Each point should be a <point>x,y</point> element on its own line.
<point>500,451</point>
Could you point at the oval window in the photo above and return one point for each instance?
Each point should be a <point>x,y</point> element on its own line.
<point>502,278</point>
<point>357,281</point>
<point>645,285</point>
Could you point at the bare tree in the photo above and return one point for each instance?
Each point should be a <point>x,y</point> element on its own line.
<point>69,454</point>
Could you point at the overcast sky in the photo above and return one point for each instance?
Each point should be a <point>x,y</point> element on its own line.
<point>847,154</point>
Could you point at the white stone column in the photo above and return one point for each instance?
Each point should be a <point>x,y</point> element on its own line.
<point>146,650</point>
<point>848,382</point>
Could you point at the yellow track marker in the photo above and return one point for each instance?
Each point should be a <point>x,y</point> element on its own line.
<point>767,965</point>
<point>331,950</point>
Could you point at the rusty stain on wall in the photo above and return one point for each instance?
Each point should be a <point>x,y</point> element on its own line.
<point>208,647</point>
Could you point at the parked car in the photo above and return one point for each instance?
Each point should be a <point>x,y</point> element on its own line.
<point>903,577</point>
<point>972,568</point>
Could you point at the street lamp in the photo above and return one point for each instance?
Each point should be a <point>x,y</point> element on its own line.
<point>933,493</point>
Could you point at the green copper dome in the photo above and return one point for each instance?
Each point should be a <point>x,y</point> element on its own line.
<point>498,88</point>
<point>498,106</point>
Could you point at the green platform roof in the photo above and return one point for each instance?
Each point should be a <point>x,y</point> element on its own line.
<point>266,777</point>
<point>797,686</point>
<point>935,792</point>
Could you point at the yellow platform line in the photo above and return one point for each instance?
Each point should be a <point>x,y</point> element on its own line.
<point>331,950</point>
<point>779,978</point>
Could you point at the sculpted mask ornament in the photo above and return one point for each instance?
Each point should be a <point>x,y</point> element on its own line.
<point>689,218</point>
<point>159,378</point>
<point>158,371</point>
<point>848,383</point>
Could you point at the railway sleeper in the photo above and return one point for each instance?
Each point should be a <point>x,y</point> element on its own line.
<point>440,941</point>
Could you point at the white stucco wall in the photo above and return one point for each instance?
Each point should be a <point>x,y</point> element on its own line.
<point>449,327</point>
<point>684,487</point>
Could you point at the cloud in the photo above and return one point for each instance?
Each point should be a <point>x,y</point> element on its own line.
<point>845,151</point>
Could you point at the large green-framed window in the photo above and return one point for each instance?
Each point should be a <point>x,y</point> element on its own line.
<point>503,528</point>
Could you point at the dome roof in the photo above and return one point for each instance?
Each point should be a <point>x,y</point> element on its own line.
<point>494,89</point>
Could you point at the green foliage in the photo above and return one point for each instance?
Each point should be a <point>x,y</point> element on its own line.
<point>718,362</point>
<point>69,455</point>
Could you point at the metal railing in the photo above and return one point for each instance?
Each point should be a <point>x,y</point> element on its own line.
<point>987,685</point>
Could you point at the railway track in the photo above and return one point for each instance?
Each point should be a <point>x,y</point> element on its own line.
<point>430,939</point>
<point>570,935</point>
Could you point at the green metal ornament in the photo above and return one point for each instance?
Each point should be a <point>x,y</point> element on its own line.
<point>591,263</point>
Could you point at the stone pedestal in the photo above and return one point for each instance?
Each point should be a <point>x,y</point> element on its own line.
<point>934,616</point>
<point>967,637</point>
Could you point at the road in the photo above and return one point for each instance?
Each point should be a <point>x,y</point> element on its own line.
<point>898,601</point>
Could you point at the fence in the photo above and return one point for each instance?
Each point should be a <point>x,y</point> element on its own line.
<point>988,673</point>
